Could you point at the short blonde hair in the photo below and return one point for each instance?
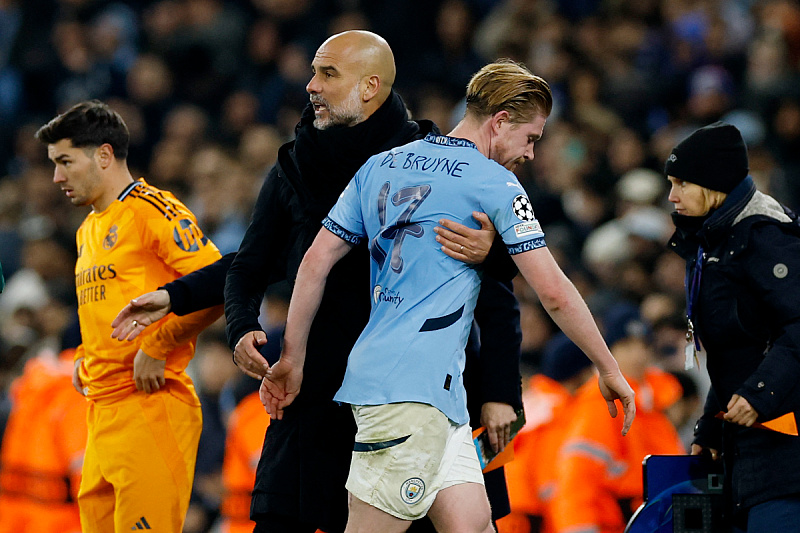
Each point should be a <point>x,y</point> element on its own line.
<point>506,85</point>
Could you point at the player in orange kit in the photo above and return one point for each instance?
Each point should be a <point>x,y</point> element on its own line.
<point>42,452</point>
<point>144,416</point>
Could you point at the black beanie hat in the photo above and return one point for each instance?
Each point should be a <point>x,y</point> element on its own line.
<point>714,157</point>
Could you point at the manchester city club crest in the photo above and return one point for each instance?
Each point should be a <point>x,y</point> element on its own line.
<point>412,490</point>
<point>522,208</point>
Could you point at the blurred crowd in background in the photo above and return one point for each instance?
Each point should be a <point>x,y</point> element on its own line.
<point>211,88</point>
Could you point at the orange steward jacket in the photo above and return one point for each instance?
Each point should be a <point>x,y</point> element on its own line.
<point>531,475</point>
<point>42,451</point>
<point>599,472</point>
<point>246,428</point>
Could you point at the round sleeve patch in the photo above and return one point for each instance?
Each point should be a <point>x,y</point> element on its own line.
<point>522,208</point>
<point>188,236</point>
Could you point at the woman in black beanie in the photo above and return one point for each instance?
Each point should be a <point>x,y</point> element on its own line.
<point>742,251</point>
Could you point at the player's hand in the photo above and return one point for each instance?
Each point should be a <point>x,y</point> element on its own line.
<point>497,418</point>
<point>464,243</point>
<point>248,358</point>
<point>148,373</point>
<point>140,313</point>
<point>76,376</point>
<point>740,412</point>
<point>615,387</point>
<point>280,387</point>
<point>697,450</point>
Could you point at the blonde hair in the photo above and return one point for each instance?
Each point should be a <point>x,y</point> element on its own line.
<point>506,85</point>
<point>713,199</point>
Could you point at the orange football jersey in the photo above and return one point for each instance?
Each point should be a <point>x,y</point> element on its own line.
<point>144,239</point>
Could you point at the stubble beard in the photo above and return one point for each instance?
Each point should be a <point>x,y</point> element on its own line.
<point>91,184</point>
<point>349,113</point>
<point>514,165</point>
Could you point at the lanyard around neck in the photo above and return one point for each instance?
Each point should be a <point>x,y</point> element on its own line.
<point>692,284</point>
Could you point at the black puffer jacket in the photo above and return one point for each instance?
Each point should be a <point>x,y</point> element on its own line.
<point>747,316</point>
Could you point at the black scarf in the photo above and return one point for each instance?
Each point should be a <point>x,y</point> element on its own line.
<point>328,159</point>
<point>690,226</point>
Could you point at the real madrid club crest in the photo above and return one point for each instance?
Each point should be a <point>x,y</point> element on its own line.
<point>111,238</point>
<point>522,208</point>
<point>412,490</point>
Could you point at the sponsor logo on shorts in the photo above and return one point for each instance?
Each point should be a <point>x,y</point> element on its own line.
<point>526,228</point>
<point>412,490</point>
<point>141,524</point>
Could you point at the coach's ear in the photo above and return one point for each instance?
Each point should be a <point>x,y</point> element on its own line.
<point>372,86</point>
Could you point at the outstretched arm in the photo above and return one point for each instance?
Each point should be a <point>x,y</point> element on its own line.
<point>282,382</point>
<point>193,292</point>
<point>140,312</point>
<point>564,304</point>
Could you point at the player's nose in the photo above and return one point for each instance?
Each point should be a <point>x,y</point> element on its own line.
<point>58,176</point>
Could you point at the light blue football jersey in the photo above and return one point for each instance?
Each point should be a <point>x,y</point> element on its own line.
<point>412,349</point>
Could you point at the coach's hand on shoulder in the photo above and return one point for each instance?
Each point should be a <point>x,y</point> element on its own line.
<point>140,313</point>
<point>148,372</point>
<point>248,358</point>
<point>466,244</point>
<point>76,376</point>
<point>280,386</point>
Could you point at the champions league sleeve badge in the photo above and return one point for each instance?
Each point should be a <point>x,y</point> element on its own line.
<point>522,208</point>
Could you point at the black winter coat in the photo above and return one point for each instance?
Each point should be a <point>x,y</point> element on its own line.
<point>306,455</point>
<point>747,316</point>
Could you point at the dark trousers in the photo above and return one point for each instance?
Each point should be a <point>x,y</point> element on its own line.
<point>781,515</point>
<point>275,523</point>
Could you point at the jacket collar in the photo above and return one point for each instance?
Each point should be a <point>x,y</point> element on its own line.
<point>326,160</point>
<point>724,217</point>
<point>692,231</point>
